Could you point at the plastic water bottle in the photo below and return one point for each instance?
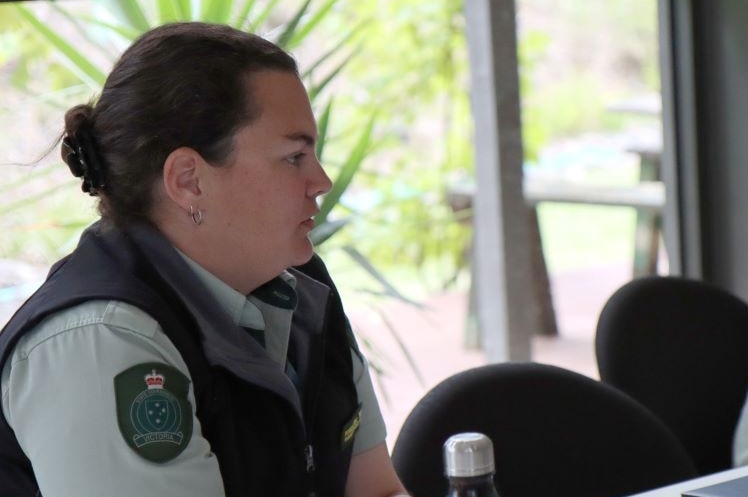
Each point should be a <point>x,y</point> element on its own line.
<point>469,465</point>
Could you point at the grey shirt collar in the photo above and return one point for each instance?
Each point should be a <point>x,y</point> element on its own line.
<point>251,311</point>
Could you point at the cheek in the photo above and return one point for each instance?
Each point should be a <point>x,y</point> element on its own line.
<point>258,209</point>
<point>234,203</point>
<point>262,201</point>
<point>243,190</point>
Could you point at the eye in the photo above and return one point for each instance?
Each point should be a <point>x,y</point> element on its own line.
<point>295,159</point>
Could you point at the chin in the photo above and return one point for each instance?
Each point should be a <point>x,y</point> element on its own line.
<point>302,255</point>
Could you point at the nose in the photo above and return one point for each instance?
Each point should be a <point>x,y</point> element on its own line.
<point>320,182</point>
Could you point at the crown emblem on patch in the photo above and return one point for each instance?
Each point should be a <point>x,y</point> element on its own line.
<point>154,380</point>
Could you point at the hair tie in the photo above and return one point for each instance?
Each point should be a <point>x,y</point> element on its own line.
<point>81,155</point>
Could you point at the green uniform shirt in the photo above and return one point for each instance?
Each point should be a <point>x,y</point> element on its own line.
<point>58,396</point>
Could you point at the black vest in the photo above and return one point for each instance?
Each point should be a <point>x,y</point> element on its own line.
<point>291,445</point>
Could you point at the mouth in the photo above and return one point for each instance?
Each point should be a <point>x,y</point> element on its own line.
<point>309,224</point>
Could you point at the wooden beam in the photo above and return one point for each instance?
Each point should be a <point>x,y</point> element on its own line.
<point>507,311</point>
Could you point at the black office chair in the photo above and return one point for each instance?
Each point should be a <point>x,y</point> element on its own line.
<point>555,433</point>
<point>680,347</point>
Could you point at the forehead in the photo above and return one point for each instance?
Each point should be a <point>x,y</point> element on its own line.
<point>282,102</point>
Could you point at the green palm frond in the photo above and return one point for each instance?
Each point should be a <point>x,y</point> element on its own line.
<point>288,31</point>
<point>131,13</point>
<point>76,61</point>
<point>347,172</point>
<point>323,124</point>
<point>214,11</point>
<point>301,30</point>
<point>263,16</point>
<point>389,290</point>
<point>326,230</point>
<point>317,86</point>
<point>173,10</point>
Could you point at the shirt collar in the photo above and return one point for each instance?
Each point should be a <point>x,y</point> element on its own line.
<point>238,306</point>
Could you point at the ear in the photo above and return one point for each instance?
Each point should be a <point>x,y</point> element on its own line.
<point>181,176</point>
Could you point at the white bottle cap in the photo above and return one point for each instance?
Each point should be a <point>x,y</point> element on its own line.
<point>468,454</point>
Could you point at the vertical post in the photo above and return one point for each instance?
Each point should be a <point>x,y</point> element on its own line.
<point>648,221</point>
<point>680,150</point>
<point>505,302</point>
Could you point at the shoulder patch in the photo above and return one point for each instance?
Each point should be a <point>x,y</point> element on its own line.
<point>153,412</point>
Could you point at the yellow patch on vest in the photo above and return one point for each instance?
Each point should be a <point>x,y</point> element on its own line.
<point>350,428</point>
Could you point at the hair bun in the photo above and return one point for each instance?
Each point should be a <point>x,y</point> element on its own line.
<point>80,154</point>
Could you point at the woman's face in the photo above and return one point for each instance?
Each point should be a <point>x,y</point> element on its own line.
<point>259,207</point>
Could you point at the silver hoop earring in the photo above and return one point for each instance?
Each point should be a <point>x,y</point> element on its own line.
<point>196,215</point>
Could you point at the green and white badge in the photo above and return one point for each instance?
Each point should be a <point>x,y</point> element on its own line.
<point>153,413</point>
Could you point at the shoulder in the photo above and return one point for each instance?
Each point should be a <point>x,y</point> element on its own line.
<point>103,336</point>
<point>76,378</point>
<point>88,344</point>
<point>84,319</point>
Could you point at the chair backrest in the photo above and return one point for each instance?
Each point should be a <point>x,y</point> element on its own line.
<point>555,432</point>
<point>680,347</point>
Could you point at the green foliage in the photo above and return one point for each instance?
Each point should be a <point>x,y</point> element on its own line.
<point>531,47</point>
<point>577,103</point>
<point>591,55</point>
<point>411,67</point>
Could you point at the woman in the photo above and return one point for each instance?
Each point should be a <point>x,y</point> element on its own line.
<point>192,344</point>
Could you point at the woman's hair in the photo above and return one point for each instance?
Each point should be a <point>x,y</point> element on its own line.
<point>182,84</point>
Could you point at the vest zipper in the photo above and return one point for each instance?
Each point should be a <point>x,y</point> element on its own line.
<point>310,405</point>
<point>309,447</point>
<point>309,456</point>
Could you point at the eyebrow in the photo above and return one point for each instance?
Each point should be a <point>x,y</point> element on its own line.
<point>301,136</point>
